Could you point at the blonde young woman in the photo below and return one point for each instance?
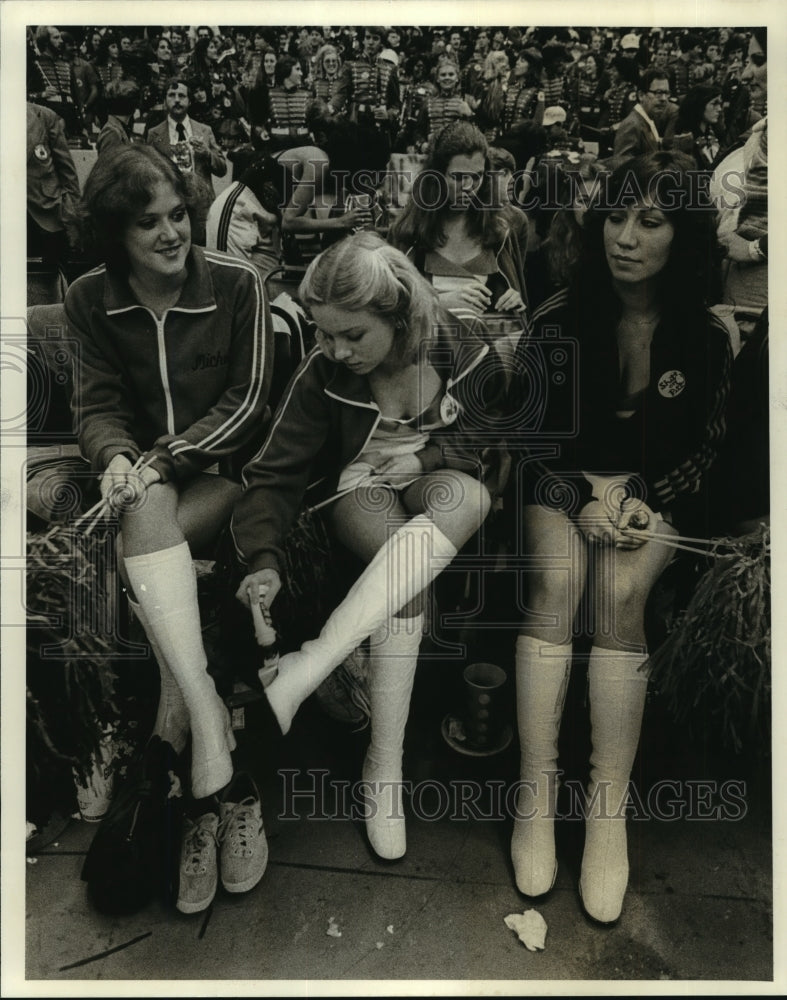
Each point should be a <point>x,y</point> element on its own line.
<point>325,74</point>
<point>382,428</point>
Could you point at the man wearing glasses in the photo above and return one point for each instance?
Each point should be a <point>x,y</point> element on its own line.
<point>637,133</point>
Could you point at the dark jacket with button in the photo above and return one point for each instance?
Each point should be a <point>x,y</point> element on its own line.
<point>325,420</point>
<point>568,390</point>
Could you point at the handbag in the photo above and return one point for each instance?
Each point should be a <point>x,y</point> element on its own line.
<point>135,854</point>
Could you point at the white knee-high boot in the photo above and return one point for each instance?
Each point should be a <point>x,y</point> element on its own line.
<point>172,716</point>
<point>542,675</point>
<point>165,585</point>
<point>394,657</point>
<point>617,689</point>
<point>404,566</point>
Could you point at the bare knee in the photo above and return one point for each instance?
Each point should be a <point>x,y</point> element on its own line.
<point>457,503</point>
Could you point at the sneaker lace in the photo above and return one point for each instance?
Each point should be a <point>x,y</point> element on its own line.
<point>197,841</point>
<point>240,827</point>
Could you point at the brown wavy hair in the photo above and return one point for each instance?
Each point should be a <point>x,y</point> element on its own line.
<point>422,226</point>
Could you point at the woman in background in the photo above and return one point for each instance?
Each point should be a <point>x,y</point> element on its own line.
<point>463,243</point>
<point>700,114</point>
<point>327,67</point>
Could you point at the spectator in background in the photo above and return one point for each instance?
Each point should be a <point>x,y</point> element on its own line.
<point>502,167</point>
<point>203,32</point>
<point>193,147</point>
<point>233,58</point>
<point>465,246</point>
<point>252,99</point>
<point>107,61</point>
<point>289,101</point>
<point>88,85</point>
<point>269,60</point>
<point>368,93</point>
<point>684,66</point>
<point>637,134</point>
<point>89,47</point>
<point>555,58</point>
<point>393,42</point>
<point>585,87</point>
<point>121,100</point>
<point>473,69</point>
<point>52,83</point>
<point>52,187</point>
<point>206,74</point>
<point>161,71</point>
<point>521,99</point>
<point>739,116</point>
<point>489,98</point>
<point>180,52</point>
<point>552,266</point>
<point>700,114</point>
<point>445,106</point>
<point>618,100</point>
<point>746,282</point>
<point>325,73</point>
<point>245,219</point>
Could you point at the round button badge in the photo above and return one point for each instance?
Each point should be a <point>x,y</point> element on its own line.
<point>672,383</point>
<point>449,409</point>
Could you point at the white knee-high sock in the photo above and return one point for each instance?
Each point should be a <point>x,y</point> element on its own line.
<point>542,675</point>
<point>394,657</point>
<point>404,566</point>
<point>165,585</point>
<point>172,716</point>
<point>617,690</point>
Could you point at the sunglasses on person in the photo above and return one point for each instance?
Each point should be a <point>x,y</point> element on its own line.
<point>757,59</point>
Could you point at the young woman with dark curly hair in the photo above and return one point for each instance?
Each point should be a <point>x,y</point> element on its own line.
<point>648,389</point>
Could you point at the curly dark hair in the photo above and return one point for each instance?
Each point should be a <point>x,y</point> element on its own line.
<point>118,187</point>
<point>688,282</point>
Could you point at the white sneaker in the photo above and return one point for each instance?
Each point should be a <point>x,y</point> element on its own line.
<point>244,849</point>
<point>198,872</point>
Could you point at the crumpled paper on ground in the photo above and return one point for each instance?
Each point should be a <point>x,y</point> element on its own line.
<point>530,927</point>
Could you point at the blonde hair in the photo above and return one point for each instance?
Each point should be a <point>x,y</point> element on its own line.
<point>363,272</point>
<point>322,52</point>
